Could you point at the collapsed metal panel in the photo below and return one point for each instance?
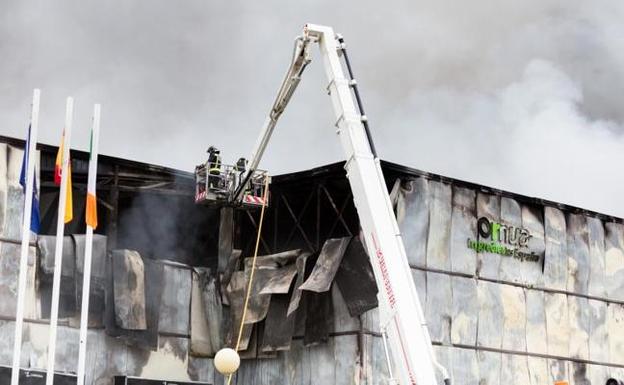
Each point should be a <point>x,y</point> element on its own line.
<point>175,303</point>
<point>129,290</point>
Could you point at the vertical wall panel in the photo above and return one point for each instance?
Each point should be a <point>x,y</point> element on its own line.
<point>598,337</point>
<point>578,253</point>
<point>557,371</point>
<point>11,213</point>
<point>439,237</point>
<point>556,258</point>
<point>536,322</point>
<point>615,326</point>
<point>201,369</point>
<point>176,300</point>
<point>488,206</point>
<point>596,240</point>
<point>490,322</point>
<point>439,307</point>
<point>578,373</point>
<point>514,318</point>
<point>380,374</point>
<point>15,194</point>
<point>511,269</point>
<point>463,227</point>
<point>538,370</point>
<point>465,311</point>
<point>557,326</point>
<point>343,322</point>
<point>533,221</point>
<point>444,355</point>
<point>489,367</point>
<point>3,185</point>
<point>614,260</point>
<point>420,281</point>
<point>415,225</point>
<point>579,318</point>
<point>598,374</point>
<point>322,363</point>
<point>514,369</point>
<point>465,366</point>
<point>345,353</point>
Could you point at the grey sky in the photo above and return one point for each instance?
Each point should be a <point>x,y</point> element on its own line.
<point>524,96</point>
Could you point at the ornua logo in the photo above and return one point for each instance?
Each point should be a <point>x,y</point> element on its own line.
<point>502,239</point>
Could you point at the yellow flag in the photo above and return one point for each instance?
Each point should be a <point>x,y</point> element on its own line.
<point>69,203</point>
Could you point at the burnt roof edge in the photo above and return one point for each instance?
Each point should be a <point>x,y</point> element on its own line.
<point>83,155</point>
<point>336,170</point>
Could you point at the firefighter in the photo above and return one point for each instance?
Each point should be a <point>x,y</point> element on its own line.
<point>239,169</point>
<point>241,164</point>
<point>214,167</point>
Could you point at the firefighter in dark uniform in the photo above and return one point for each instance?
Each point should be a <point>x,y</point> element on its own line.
<point>240,167</point>
<point>214,167</point>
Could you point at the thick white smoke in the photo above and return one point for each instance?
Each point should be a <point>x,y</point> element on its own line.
<point>528,137</point>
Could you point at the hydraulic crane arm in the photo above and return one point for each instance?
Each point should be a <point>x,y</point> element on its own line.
<point>300,60</point>
<point>401,314</point>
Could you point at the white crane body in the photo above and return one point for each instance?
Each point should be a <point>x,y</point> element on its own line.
<point>401,316</point>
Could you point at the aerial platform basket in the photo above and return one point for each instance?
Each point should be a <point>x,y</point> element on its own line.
<point>218,186</point>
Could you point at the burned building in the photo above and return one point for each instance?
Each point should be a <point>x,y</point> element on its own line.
<point>515,289</point>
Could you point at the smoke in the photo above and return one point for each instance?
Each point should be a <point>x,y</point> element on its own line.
<point>523,96</point>
<point>169,227</point>
<point>529,137</point>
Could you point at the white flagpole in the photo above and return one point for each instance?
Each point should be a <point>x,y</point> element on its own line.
<point>58,251</point>
<point>86,279</point>
<point>30,174</point>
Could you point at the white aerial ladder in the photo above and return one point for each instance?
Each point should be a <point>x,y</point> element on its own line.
<point>403,323</point>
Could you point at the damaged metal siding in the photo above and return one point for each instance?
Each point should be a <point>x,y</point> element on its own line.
<point>515,321</point>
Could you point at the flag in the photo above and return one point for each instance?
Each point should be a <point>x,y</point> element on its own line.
<point>58,172</point>
<point>35,222</point>
<point>58,165</point>
<point>69,202</point>
<point>91,214</point>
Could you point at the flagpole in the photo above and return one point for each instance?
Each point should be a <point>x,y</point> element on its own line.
<point>28,197</point>
<point>58,251</point>
<point>86,279</point>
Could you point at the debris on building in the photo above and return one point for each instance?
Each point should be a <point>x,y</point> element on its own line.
<point>514,289</point>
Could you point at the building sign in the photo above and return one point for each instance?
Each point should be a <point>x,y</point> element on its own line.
<point>508,241</point>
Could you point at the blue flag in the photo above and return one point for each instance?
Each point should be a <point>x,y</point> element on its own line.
<point>35,223</point>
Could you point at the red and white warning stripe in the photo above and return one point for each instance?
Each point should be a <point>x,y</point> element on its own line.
<point>253,200</point>
<point>200,196</point>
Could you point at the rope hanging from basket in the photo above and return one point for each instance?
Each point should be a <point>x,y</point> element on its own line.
<point>251,273</point>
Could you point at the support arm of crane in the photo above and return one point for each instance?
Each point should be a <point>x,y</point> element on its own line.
<point>300,59</point>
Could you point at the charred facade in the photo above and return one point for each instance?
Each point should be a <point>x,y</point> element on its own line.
<point>515,289</point>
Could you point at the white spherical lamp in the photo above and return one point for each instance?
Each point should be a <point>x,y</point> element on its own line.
<point>226,361</point>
